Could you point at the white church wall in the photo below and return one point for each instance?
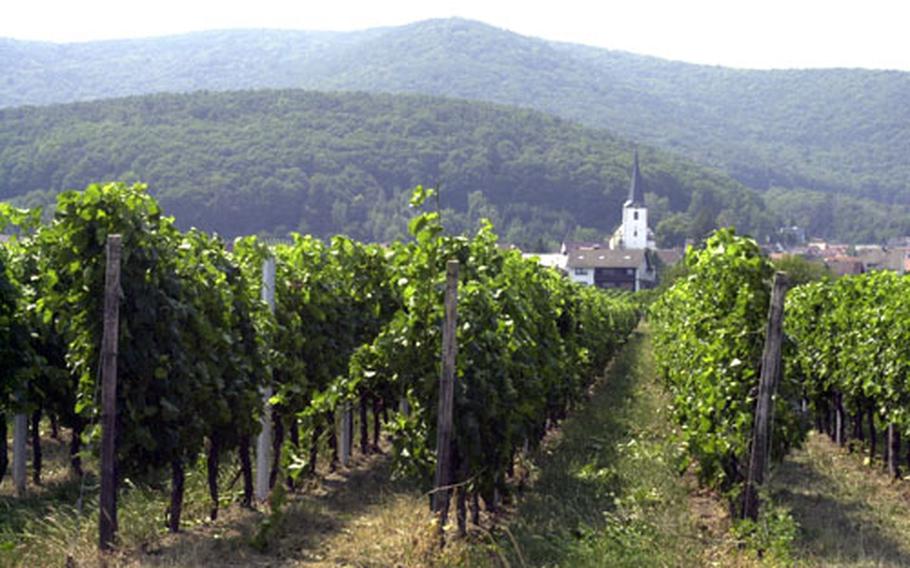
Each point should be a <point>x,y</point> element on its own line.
<point>634,227</point>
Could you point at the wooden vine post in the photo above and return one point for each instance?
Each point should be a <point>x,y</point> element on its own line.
<point>764,408</point>
<point>264,441</point>
<point>107,521</point>
<point>443,480</point>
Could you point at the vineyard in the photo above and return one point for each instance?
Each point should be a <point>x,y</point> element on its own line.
<point>852,359</point>
<point>709,336</point>
<point>841,367</point>
<point>260,364</point>
<point>354,329</point>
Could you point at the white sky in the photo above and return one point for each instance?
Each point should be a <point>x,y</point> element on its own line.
<point>756,34</point>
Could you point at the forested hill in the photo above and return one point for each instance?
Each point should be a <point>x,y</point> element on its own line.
<point>273,161</point>
<point>844,131</point>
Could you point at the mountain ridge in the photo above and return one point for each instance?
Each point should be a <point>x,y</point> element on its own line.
<point>837,131</point>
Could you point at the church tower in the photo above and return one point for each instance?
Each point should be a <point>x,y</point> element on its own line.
<point>634,213</point>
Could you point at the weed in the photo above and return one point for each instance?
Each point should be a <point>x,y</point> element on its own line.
<point>771,536</point>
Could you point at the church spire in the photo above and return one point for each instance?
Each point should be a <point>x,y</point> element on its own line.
<point>636,193</point>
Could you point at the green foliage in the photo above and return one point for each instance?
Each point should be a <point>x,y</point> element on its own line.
<point>220,345</point>
<point>269,529</point>
<point>329,301</point>
<point>529,343</point>
<point>851,338</point>
<point>13,336</point>
<point>772,536</point>
<point>187,359</point>
<point>39,369</point>
<point>708,336</point>
<point>325,164</point>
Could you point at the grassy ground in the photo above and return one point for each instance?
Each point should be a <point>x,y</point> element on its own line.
<point>607,489</point>
<point>603,490</point>
<point>354,517</point>
<point>850,512</point>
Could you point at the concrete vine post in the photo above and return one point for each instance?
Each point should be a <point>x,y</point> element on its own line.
<point>347,433</point>
<point>264,441</point>
<point>20,434</point>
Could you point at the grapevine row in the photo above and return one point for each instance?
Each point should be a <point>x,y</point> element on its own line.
<point>709,330</point>
<point>846,358</point>
<point>353,323</point>
<point>852,355</point>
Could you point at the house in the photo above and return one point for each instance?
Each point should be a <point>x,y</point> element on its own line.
<point>572,246</point>
<point>624,269</point>
<point>898,260</point>
<point>669,257</point>
<point>876,257</point>
<point>551,260</point>
<point>842,265</point>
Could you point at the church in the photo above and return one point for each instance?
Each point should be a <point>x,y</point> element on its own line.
<point>634,233</point>
<point>627,262</point>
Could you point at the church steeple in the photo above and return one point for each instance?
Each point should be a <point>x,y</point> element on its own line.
<point>636,193</point>
<point>633,233</point>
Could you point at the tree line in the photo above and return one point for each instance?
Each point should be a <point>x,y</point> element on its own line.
<point>271,162</point>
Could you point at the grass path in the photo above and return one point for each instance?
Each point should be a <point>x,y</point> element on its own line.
<point>608,491</point>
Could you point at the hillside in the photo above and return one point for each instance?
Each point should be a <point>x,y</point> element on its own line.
<point>273,161</point>
<point>844,131</point>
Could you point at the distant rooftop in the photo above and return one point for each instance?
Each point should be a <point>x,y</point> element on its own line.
<point>605,259</point>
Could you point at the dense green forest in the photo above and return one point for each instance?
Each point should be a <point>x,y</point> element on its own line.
<point>842,131</point>
<point>274,161</point>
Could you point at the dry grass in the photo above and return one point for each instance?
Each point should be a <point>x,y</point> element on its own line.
<point>604,490</point>
<point>851,513</point>
<point>354,517</point>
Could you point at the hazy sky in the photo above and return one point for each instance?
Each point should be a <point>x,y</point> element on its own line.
<point>753,33</point>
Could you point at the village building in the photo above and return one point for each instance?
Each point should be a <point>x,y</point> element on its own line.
<point>843,265</point>
<point>629,261</point>
<point>632,270</point>
<point>634,232</point>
